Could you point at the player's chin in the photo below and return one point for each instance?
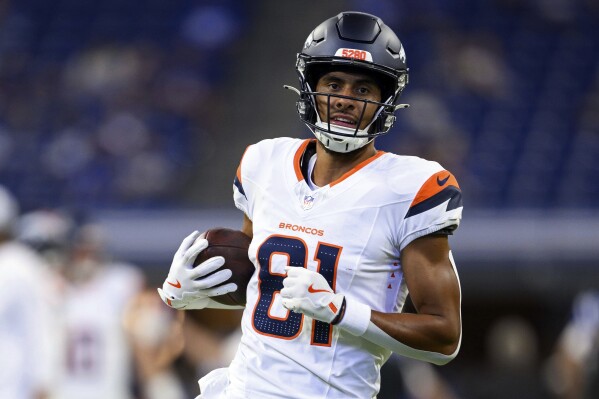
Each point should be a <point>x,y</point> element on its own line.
<point>349,154</point>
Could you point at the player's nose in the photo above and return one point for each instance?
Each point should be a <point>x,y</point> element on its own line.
<point>343,103</point>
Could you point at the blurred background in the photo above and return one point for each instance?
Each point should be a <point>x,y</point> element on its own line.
<point>133,115</point>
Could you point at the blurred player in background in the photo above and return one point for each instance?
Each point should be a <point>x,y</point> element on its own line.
<point>156,339</point>
<point>213,337</point>
<point>573,369</point>
<point>115,340</point>
<point>341,232</point>
<point>27,323</point>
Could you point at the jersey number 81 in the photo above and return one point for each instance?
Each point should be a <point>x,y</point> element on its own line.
<point>271,282</point>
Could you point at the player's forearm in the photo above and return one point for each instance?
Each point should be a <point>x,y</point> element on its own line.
<point>433,333</point>
<point>419,336</point>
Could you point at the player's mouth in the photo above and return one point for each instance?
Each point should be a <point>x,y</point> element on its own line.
<point>343,120</point>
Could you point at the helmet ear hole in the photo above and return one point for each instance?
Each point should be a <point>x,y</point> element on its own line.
<point>306,110</point>
<point>388,120</point>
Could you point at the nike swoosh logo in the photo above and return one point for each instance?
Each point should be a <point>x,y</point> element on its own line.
<point>177,285</point>
<point>313,290</point>
<point>441,182</point>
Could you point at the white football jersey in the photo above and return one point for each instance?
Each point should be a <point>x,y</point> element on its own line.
<point>97,360</point>
<point>350,231</point>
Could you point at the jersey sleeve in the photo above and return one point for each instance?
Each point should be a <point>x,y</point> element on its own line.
<point>436,206</point>
<point>251,177</point>
<point>241,185</point>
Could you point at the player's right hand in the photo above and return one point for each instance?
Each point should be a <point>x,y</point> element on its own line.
<point>190,287</point>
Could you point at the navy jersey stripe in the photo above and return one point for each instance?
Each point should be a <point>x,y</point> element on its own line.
<point>451,193</point>
<point>237,184</point>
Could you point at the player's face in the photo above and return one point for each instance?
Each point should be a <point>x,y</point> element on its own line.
<point>346,112</point>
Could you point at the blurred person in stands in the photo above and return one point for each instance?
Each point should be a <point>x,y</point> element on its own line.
<point>106,350</point>
<point>27,325</point>
<point>341,232</point>
<point>572,371</point>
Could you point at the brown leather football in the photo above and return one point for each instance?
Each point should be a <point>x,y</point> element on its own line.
<point>233,246</point>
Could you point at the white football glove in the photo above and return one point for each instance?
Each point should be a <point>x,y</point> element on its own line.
<point>308,292</point>
<point>184,287</point>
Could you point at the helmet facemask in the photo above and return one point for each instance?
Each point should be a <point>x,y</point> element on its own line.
<point>340,138</point>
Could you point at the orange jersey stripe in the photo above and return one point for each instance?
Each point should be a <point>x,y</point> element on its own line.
<point>238,174</point>
<point>357,167</point>
<point>297,159</point>
<point>435,184</point>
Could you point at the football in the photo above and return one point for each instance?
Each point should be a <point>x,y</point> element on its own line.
<point>233,246</point>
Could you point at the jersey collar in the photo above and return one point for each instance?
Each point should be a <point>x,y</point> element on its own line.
<point>309,146</point>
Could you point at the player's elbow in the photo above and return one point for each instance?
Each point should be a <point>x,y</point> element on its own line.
<point>452,340</point>
<point>446,355</point>
<point>450,346</point>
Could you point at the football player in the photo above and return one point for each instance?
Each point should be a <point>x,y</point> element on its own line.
<point>27,322</point>
<point>97,355</point>
<point>341,233</point>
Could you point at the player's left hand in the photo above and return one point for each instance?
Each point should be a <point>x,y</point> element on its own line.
<point>308,292</point>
